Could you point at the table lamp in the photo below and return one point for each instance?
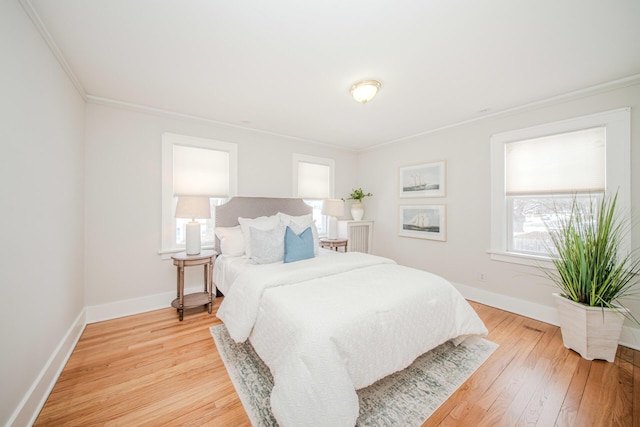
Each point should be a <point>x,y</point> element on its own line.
<point>193,207</point>
<point>333,208</point>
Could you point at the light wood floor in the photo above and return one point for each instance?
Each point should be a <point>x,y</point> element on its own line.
<point>150,369</point>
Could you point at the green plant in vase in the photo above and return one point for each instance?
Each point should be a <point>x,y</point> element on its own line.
<point>357,208</point>
<point>593,274</point>
<point>358,195</point>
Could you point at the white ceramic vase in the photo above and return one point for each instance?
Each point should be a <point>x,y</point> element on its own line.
<point>357,211</point>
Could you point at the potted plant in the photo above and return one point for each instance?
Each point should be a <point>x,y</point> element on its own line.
<point>593,274</point>
<point>357,208</point>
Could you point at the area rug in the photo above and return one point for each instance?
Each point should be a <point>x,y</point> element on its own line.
<point>405,398</point>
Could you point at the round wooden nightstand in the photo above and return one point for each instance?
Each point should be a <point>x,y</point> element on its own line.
<point>182,260</point>
<point>334,244</point>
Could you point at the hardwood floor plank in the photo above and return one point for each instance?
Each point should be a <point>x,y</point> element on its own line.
<point>152,370</point>
<point>623,395</point>
<point>491,406</point>
<point>549,390</point>
<point>573,398</point>
<point>484,377</point>
<point>527,404</point>
<point>557,385</point>
<point>635,397</point>
<point>599,395</point>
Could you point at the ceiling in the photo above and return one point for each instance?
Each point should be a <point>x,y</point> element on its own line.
<point>285,67</point>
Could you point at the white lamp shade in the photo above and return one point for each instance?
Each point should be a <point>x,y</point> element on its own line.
<point>333,207</point>
<point>193,207</point>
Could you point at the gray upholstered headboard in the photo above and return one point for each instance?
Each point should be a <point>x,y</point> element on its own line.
<point>253,207</point>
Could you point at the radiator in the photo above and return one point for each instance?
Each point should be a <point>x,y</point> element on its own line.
<point>359,234</point>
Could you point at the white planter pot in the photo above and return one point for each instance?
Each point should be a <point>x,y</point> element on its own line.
<point>357,211</point>
<point>592,332</point>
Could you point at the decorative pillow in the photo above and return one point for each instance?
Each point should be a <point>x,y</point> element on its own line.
<point>267,246</point>
<point>299,223</point>
<point>260,223</point>
<point>298,246</point>
<point>231,240</point>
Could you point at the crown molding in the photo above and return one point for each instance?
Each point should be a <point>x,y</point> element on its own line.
<point>175,115</point>
<point>580,93</point>
<point>35,18</point>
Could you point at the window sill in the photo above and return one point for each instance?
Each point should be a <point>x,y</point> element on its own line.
<point>522,259</point>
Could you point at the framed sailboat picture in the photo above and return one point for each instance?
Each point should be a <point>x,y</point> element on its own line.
<point>423,221</point>
<point>425,180</point>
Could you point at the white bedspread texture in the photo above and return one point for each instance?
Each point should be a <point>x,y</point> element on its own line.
<point>331,325</point>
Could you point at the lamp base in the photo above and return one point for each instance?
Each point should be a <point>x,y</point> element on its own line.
<point>193,244</point>
<point>332,232</point>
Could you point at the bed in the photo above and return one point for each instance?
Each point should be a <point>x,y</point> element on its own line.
<point>329,323</point>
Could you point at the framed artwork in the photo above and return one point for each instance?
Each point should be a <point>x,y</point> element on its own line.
<point>423,222</point>
<point>425,180</point>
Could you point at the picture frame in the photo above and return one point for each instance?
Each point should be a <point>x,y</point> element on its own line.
<point>423,180</point>
<point>422,222</point>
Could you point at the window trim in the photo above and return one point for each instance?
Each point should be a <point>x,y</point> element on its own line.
<point>618,173</point>
<point>168,221</point>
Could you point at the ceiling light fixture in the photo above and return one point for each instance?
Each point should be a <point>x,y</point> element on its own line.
<point>364,90</point>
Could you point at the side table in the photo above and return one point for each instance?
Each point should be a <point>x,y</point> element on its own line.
<point>182,260</point>
<point>334,244</point>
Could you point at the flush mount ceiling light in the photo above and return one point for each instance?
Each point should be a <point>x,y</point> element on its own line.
<point>364,91</point>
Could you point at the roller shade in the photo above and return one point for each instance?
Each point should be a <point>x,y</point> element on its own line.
<point>572,162</point>
<point>200,172</point>
<point>313,181</point>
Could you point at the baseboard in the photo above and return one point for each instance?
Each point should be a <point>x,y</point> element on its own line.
<point>35,398</point>
<point>116,309</point>
<point>630,337</point>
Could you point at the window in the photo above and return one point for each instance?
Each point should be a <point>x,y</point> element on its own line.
<point>195,167</point>
<point>541,177</point>
<point>313,181</point>
<point>537,171</point>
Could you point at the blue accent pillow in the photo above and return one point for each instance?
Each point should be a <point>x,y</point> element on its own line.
<point>298,246</point>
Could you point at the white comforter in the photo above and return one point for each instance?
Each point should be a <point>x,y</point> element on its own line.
<point>328,326</point>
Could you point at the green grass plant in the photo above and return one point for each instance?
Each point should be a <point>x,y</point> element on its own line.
<point>591,267</point>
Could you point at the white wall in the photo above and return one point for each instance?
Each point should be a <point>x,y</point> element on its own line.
<point>463,257</point>
<point>123,193</point>
<point>41,170</point>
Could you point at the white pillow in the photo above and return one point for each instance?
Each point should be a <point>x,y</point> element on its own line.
<point>267,246</point>
<point>231,240</point>
<point>260,223</point>
<point>298,224</point>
